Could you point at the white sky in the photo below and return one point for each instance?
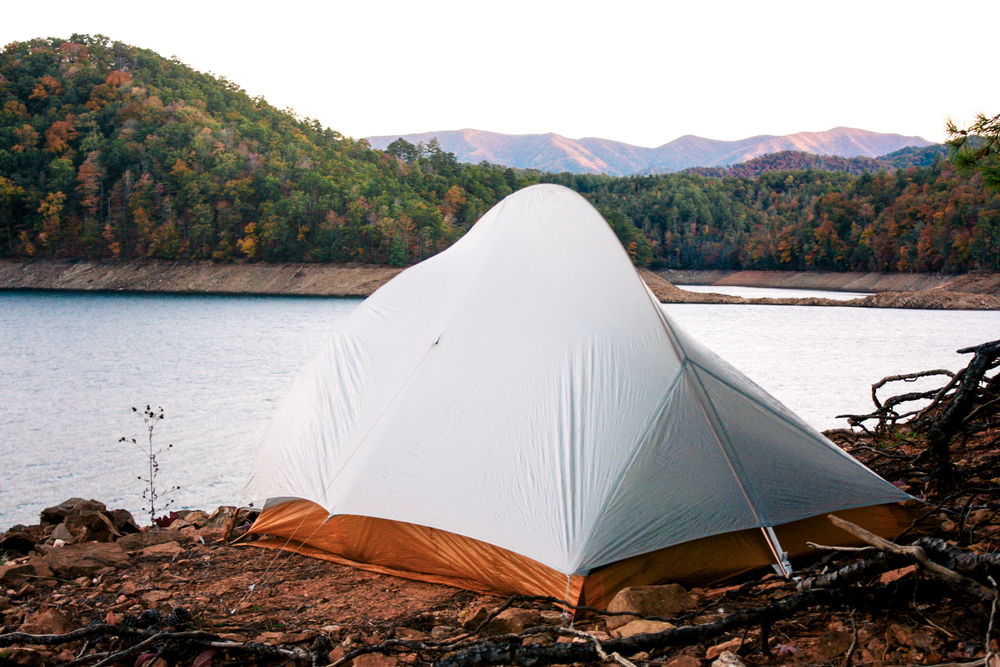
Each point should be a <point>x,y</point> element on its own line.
<point>640,72</point>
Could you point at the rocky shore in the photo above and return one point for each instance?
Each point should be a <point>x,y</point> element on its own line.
<point>920,291</point>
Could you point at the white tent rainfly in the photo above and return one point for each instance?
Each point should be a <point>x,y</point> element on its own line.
<point>518,414</point>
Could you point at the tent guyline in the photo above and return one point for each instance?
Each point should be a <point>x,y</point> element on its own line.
<point>561,429</point>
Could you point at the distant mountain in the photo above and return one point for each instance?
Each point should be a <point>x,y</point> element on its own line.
<point>554,153</point>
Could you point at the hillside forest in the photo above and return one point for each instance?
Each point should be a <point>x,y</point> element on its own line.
<point>112,152</point>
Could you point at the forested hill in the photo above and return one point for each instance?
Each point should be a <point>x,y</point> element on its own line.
<point>923,219</point>
<point>112,151</point>
<point>799,160</point>
<point>109,151</point>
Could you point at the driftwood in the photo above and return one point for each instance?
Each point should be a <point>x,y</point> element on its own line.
<point>968,403</point>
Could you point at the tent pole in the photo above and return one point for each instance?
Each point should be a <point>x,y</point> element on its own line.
<point>782,566</point>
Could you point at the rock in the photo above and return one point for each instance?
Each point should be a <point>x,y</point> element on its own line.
<point>83,582</point>
<point>727,659</point>
<point>61,533</point>
<point>152,597</point>
<point>219,517</point>
<point>375,660</point>
<point>21,539</point>
<point>179,524</point>
<point>88,525</point>
<point>438,632</point>
<point>665,601</point>
<point>684,661</point>
<point>137,541</point>
<point>85,560</point>
<point>408,634</point>
<point>15,575</point>
<point>167,549</point>
<point>512,621</point>
<point>641,626</point>
<point>196,518</point>
<point>59,513</point>
<point>472,617</point>
<point>124,521</point>
<point>49,622</point>
<point>26,657</point>
<point>717,650</point>
<point>894,575</point>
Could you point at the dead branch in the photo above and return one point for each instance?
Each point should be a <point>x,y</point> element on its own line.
<point>150,639</point>
<point>852,573</point>
<point>513,653</point>
<point>919,556</point>
<point>962,403</point>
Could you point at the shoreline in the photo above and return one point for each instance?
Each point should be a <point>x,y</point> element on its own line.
<point>917,291</point>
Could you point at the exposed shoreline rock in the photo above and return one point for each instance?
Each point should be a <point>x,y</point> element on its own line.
<point>918,291</point>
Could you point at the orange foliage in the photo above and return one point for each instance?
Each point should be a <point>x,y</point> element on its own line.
<point>59,134</point>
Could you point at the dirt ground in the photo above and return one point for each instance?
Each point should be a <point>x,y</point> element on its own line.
<point>245,594</point>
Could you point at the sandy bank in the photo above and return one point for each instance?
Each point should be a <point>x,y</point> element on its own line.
<point>978,292</point>
<point>342,280</point>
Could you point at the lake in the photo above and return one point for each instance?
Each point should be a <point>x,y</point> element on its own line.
<point>73,365</point>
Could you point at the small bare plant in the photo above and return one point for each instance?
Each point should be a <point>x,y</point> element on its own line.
<point>151,494</point>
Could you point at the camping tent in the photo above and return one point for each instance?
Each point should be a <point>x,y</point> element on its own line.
<point>518,414</point>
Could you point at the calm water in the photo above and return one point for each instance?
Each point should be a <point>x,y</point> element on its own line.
<point>73,365</point>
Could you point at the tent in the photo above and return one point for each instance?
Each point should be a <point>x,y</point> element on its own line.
<point>518,414</point>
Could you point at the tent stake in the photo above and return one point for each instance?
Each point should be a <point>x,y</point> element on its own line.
<point>781,566</point>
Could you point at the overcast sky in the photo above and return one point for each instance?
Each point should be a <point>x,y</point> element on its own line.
<point>640,72</point>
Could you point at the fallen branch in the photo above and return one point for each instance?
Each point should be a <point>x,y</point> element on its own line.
<point>919,556</point>
<point>149,639</point>
<point>510,653</point>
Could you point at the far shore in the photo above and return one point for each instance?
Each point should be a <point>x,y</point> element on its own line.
<point>888,290</point>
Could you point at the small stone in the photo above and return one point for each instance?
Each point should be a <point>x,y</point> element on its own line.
<point>717,650</point>
<point>442,632</point>
<point>26,657</point>
<point>375,660</point>
<point>665,601</point>
<point>409,634</point>
<point>49,622</point>
<point>14,574</point>
<point>473,617</point>
<point>87,559</point>
<point>512,621</point>
<point>537,640</point>
<point>684,661</point>
<point>728,659</point>
<point>83,582</point>
<point>138,541</point>
<point>152,597</point>
<point>167,549</point>
<point>640,627</point>
<point>61,533</point>
<point>895,575</point>
<point>196,518</point>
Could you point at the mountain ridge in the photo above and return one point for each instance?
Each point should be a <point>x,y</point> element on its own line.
<point>555,153</point>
